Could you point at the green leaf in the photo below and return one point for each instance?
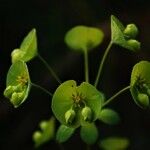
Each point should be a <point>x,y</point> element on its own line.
<point>109,116</point>
<point>28,48</point>
<point>64,133</point>
<point>46,133</point>
<point>89,133</point>
<point>114,143</point>
<point>140,83</point>
<point>70,96</point>
<point>17,83</point>
<point>118,37</point>
<point>81,38</point>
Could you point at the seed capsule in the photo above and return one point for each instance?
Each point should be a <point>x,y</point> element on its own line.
<point>143,99</point>
<point>69,116</point>
<point>37,136</point>
<point>131,31</point>
<point>87,113</point>
<point>8,91</point>
<point>43,125</point>
<point>134,44</point>
<point>16,55</point>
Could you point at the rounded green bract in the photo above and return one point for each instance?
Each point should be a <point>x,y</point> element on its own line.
<point>83,38</point>
<point>68,96</point>
<point>140,83</point>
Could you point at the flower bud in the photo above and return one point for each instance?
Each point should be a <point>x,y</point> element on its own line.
<point>17,98</point>
<point>16,55</point>
<point>69,116</point>
<point>43,125</point>
<point>87,113</point>
<point>8,91</point>
<point>143,99</point>
<point>131,31</point>
<point>37,136</point>
<point>134,44</point>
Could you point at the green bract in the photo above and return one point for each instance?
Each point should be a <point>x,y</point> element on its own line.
<point>46,133</point>
<point>64,133</point>
<point>140,83</point>
<point>114,143</point>
<point>89,133</point>
<point>68,96</point>
<point>17,83</point>
<point>109,116</point>
<point>28,48</point>
<point>119,37</point>
<point>82,38</point>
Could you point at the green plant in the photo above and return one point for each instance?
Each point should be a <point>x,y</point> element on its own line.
<point>79,106</point>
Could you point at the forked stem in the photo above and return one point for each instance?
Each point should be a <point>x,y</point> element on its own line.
<point>102,63</point>
<point>41,88</point>
<point>49,68</point>
<point>115,95</point>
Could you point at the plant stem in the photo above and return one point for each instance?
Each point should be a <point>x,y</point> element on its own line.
<point>41,88</point>
<point>49,68</point>
<point>115,95</point>
<point>102,63</point>
<point>86,66</point>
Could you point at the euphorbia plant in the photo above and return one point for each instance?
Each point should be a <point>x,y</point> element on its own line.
<point>79,105</point>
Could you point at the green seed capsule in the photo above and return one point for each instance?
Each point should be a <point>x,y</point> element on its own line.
<point>8,91</point>
<point>131,31</point>
<point>143,99</point>
<point>16,55</point>
<point>134,44</point>
<point>69,116</point>
<point>37,136</point>
<point>87,113</point>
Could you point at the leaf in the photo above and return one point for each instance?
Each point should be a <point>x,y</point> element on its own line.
<point>64,133</point>
<point>81,38</point>
<point>89,133</point>
<point>140,82</point>
<point>46,134</point>
<point>118,37</point>
<point>114,143</point>
<point>109,116</point>
<point>70,96</point>
<point>18,78</point>
<point>28,48</point>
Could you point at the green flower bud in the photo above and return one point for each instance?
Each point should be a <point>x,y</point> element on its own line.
<point>37,136</point>
<point>87,113</point>
<point>131,31</point>
<point>69,116</point>
<point>17,98</point>
<point>143,99</point>
<point>8,91</point>
<point>16,55</point>
<point>134,44</point>
<point>43,125</point>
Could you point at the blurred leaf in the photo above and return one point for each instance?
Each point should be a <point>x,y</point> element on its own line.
<point>109,116</point>
<point>89,133</point>
<point>64,133</point>
<point>114,143</point>
<point>82,38</point>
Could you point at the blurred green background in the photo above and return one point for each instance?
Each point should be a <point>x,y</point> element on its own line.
<point>52,18</point>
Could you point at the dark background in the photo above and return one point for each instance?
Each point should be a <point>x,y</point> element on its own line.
<point>52,18</point>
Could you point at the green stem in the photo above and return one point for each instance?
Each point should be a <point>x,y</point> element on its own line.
<point>86,66</point>
<point>115,95</point>
<point>49,68</point>
<point>102,63</point>
<point>41,88</point>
